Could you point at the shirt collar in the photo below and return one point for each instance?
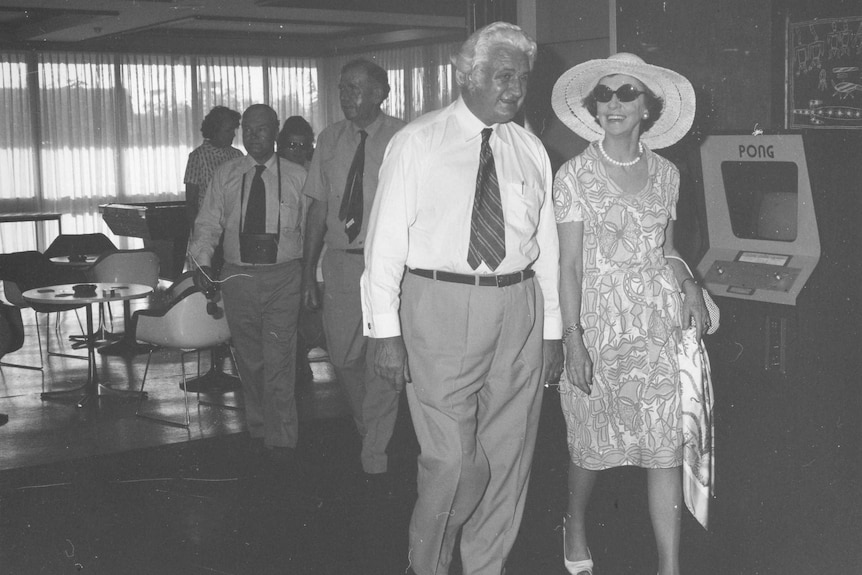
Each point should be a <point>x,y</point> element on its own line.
<point>270,163</point>
<point>370,128</point>
<point>473,126</point>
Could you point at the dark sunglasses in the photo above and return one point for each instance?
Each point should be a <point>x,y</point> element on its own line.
<point>625,93</point>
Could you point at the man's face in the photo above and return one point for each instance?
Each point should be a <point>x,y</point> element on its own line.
<point>499,86</point>
<point>259,130</point>
<point>360,97</point>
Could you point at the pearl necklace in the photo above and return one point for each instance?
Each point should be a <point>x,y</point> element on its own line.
<point>610,160</point>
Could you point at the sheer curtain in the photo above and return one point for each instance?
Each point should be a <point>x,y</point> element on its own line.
<point>84,129</point>
<point>157,127</point>
<point>18,167</point>
<point>80,147</point>
<point>293,90</point>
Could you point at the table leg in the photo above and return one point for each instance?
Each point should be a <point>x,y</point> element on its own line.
<point>91,389</point>
<point>91,366</point>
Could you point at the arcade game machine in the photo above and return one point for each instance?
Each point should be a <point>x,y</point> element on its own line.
<point>763,237</point>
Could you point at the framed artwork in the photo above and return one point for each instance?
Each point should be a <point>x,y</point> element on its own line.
<point>824,74</point>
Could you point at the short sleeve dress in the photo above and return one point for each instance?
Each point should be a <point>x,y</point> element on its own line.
<point>630,312</point>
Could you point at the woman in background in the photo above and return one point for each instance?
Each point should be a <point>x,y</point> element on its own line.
<point>620,297</point>
<point>296,141</point>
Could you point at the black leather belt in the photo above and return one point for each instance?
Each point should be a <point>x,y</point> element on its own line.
<point>356,251</point>
<point>489,281</point>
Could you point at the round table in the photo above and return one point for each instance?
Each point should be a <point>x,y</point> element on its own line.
<point>63,295</point>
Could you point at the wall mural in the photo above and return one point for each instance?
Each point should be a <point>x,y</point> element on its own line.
<point>824,84</point>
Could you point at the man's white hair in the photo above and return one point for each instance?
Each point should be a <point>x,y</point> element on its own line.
<point>477,49</point>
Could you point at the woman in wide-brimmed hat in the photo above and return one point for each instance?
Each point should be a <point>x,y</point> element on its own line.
<point>620,297</point>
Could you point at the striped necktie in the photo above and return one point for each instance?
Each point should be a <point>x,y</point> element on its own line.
<point>487,226</point>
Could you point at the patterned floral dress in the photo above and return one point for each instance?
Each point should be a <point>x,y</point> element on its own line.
<point>630,312</point>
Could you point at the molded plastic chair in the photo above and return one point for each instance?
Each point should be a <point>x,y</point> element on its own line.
<point>185,326</point>
<point>126,266</point>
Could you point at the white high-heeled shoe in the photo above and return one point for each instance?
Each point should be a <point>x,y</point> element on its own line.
<point>577,567</point>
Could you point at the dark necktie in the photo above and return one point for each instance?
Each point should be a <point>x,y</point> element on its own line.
<point>487,227</point>
<point>351,204</point>
<point>255,209</point>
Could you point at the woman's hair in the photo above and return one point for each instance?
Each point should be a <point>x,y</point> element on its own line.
<point>213,121</point>
<point>295,126</point>
<point>477,49</point>
<point>654,106</point>
<point>373,71</point>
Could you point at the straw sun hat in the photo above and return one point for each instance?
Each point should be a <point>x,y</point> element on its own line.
<point>676,92</point>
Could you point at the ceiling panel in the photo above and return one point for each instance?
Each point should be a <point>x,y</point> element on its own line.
<point>307,27</point>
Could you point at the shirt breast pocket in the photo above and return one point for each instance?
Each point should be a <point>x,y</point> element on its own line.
<point>524,200</point>
<point>290,216</point>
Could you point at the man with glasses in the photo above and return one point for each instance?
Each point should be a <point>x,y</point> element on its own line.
<point>342,182</point>
<point>255,202</point>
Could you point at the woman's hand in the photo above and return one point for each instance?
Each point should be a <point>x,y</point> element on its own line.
<point>694,309</point>
<point>579,366</point>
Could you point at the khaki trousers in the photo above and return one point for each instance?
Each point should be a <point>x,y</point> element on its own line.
<point>373,402</point>
<point>262,311</point>
<point>475,357</point>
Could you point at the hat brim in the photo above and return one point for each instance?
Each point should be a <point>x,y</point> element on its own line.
<point>674,89</point>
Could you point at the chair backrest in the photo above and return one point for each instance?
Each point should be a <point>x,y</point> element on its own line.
<point>80,244</point>
<point>180,285</point>
<point>185,325</point>
<point>32,269</point>
<point>11,329</point>
<point>127,266</point>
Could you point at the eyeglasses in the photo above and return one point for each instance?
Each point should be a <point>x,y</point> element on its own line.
<point>625,93</point>
<point>295,145</point>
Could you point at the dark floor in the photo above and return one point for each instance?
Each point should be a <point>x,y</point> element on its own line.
<point>97,490</point>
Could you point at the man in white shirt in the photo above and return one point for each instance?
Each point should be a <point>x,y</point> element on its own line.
<point>256,203</point>
<point>464,203</point>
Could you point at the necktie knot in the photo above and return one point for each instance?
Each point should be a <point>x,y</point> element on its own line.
<point>259,170</point>
<point>486,135</point>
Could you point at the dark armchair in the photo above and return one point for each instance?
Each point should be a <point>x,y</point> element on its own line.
<point>21,271</point>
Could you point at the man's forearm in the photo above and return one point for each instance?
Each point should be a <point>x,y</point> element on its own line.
<point>314,233</point>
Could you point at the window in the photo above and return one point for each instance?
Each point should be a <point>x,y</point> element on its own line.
<point>119,127</point>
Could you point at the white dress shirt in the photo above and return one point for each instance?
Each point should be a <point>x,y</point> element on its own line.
<point>424,204</point>
<point>223,209</point>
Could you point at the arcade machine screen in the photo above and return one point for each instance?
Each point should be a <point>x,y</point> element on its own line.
<point>762,199</point>
<point>763,238</point>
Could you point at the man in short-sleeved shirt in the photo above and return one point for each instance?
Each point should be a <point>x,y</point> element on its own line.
<point>374,402</point>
